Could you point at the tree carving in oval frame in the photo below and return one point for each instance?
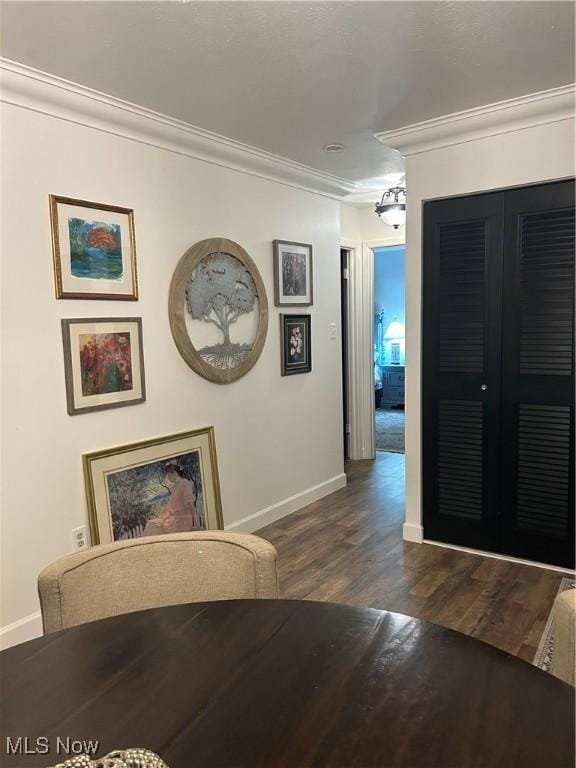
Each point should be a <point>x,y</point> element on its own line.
<point>217,282</point>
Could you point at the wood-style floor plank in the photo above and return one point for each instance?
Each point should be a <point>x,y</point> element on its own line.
<point>348,548</point>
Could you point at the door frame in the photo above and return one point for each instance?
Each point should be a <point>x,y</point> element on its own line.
<point>361,341</point>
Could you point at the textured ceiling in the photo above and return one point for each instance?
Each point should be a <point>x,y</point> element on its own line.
<point>289,77</point>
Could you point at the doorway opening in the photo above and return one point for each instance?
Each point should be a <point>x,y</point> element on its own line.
<point>389,348</point>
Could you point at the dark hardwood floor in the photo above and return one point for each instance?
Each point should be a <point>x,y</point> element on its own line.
<point>348,548</point>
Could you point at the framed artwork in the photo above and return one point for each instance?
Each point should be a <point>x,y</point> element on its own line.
<point>103,363</point>
<point>165,485</point>
<point>295,344</point>
<point>218,310</point>
<point>292,274</point>
<point>94,250</point>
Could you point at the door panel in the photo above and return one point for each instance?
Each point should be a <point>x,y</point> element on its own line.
<point>461,296</point>
<point>462,300</point>
<point>460,450</point>
<point>538,374</point>
<point>543,471</point>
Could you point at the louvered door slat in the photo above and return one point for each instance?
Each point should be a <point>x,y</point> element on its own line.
<point>543,499</point>
<point>461,253</point>
<point>457,495</point>
<point>546,273</point>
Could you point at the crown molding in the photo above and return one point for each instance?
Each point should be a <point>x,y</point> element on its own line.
<point>31,89</point>
<point>364,199</point>
<point>516,114</point>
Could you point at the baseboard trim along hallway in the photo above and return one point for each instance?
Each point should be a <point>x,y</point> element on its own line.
<point>411,532</point>
<point>21,631</point>
<point>287,506</point>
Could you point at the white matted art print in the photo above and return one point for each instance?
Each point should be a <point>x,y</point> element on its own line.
<point>292,274</point>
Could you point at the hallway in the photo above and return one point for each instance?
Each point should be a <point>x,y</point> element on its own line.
<point>348,548</point>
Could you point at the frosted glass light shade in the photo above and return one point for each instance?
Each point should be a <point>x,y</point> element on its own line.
<point>395,215</point>
<point>395,330</point>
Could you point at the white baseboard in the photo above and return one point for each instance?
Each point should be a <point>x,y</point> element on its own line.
<point>21,631</point>
<point>498,556</point>
<point>287,506</point>
<point>415,533</point>
<point>411,532</point>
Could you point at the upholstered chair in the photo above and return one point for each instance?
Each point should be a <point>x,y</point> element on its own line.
<point>564,617</point>
<point>154,571</point>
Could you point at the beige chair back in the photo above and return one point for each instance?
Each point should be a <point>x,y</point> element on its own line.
<point>564,618</point>
<point>154,571</point>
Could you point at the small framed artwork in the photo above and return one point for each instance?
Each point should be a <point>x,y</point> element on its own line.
<point>292,274</point>
<point>103,363</point>
<point>165,485</point>
<point>94,250</point>
<point>295,344</point>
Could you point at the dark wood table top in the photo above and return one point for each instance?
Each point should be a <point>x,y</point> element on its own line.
<point>284,684</point>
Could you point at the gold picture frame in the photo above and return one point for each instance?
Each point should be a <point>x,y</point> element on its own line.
<point>94,255</point>
<point>163,485</point>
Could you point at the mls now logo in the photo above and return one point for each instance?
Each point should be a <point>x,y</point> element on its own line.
<point>24,745</point>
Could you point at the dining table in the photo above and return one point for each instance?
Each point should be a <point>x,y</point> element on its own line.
<point>280,684</point>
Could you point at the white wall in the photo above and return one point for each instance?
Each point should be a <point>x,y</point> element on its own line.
<point>361,224</point>
<point>375,231</point>
<point>350,224</point>
<point>516,158</point>
<point>277,437</point>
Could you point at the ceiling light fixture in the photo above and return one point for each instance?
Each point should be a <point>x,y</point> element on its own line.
<point>333,147</point>
<point>392,207</point>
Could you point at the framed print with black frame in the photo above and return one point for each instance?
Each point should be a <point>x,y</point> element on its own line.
<point>295,344</point>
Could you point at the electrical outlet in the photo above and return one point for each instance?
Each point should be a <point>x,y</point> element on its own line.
<point>79,538</point>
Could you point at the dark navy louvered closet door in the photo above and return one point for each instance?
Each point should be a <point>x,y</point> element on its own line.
<point>538,374</point>
<point>498,372</point>
<point>461,369</point>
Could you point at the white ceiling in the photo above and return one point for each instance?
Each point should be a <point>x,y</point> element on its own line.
<point>289,77</point>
